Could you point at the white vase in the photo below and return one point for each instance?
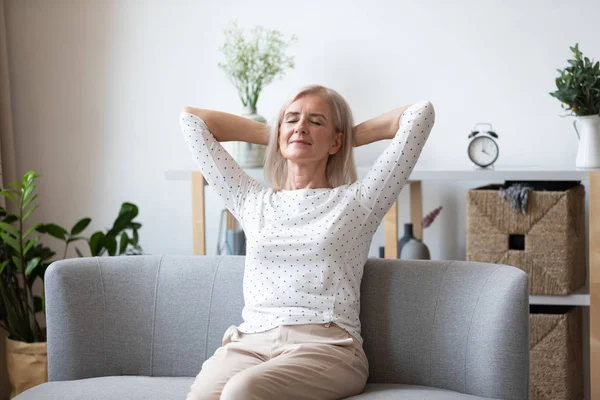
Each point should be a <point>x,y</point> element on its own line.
<point>249,155</point>
<point>588,132</point>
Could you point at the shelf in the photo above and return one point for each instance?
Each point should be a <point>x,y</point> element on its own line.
<point>580,297</point>
<point>457,173</point>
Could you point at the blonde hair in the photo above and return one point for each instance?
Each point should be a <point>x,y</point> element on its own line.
<point>340,168</point>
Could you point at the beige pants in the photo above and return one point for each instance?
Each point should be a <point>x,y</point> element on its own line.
<point>314,361</point>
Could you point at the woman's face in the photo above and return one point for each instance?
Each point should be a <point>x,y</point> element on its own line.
<point>307,132</point>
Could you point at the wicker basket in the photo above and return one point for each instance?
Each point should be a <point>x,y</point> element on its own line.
<point>555,355</point>
<point>547,242</point>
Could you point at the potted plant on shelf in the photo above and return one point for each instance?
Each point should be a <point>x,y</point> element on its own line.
<point>24,260</point>
<point>251,63</point>
<point>578,88</point>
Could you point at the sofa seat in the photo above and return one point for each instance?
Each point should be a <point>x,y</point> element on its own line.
<point>161,388</point>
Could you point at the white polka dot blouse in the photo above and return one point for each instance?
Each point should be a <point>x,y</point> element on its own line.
<point>306,248</point>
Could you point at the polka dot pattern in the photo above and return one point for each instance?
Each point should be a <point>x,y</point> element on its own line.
<point>306,248</point>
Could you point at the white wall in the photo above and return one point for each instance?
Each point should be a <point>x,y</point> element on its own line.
<point>97,87</point>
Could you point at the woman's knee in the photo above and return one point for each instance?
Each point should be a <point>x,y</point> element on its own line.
<point>201,395</point>
<point>244,386</point>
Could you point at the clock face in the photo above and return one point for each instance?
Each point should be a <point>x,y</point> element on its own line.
<point>483,151</point>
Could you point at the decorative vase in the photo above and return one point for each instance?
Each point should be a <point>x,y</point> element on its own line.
<point>27,365</point>
<point>588,152</point>
<point>249,155</point>
<point>408,234</point>
<point>415,249</point>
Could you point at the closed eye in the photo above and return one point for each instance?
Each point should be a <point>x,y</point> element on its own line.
<point>314,122</point>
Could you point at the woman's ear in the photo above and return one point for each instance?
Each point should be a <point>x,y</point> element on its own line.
<point>337,143</point>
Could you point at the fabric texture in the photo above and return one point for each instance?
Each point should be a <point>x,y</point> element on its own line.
<point>306,248</point>
<point>304,362</point>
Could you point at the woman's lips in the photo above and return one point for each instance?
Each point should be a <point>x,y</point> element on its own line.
<point>304,143</point>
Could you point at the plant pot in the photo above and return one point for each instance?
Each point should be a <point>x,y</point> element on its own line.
<point>588,152</point>
<point>249,155</point>
<point>27,365</point>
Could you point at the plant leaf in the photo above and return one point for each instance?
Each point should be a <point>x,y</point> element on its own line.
<point>10,229</point>
<point>28,213</point>
<point>33,263</point>
<point>80,226</point>
<point>54,230</point>
<point>29,201</point>
<point>3,265</point>
<point>96,243</point>
<point>9,196</point>
<point>124,242</point>
<point>27,191</point>
<point>17,261</point>
<point>75,238</point>
<point>11,242</point>
<point>30,243</point>
<point>111,244</point>
<point>33,228</point>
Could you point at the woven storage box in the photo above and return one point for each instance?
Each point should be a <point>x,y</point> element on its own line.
<point>555,353</point>
<point>547,242</point>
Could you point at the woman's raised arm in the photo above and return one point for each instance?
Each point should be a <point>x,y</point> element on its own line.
<point>382,127</point>
<point>230,127</point>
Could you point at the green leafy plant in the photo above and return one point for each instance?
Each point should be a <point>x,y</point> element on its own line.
<point>115,241</point>
<point>23,259</point>
<point>578,86</point>
<point>252,63</point>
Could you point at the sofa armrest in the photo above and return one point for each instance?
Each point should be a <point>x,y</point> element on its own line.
<point>457,325</point>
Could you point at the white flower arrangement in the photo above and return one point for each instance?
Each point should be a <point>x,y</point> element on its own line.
<point>252,63</point>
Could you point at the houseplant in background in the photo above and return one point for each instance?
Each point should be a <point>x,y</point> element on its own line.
<point>578,89</point>
<point>251,63</point>
<point>24,260</point>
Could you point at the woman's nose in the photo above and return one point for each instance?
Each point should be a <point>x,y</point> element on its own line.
<point>301,127</point>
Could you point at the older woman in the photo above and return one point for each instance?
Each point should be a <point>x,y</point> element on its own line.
<point>308,237</point>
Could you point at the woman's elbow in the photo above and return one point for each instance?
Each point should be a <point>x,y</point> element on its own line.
<point>191,110</point>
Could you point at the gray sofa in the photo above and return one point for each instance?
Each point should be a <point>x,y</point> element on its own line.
<point>139,327</point>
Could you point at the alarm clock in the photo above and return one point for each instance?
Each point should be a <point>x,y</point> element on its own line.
<point>483,150</point>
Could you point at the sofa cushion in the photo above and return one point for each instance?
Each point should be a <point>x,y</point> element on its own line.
<point>396,391</point>
<point>111,388</point>
<point>161,388</point>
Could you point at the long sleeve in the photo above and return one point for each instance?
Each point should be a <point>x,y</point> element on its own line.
<point>381,186</point>
<point>219,169</point>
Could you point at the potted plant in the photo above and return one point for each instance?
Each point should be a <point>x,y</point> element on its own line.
<point>578,89</point>
<point>24,260</point>
<point>251,63</point>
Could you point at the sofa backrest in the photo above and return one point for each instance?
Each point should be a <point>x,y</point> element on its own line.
<point>448,324</point>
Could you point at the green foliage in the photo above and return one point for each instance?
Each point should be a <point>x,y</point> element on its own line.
<point>115,241</point>
<point>23,259</point>
<point>578,86</point>
<point>252,63</point>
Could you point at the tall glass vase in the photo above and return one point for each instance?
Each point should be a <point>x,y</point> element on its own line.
<point>249,155</point>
